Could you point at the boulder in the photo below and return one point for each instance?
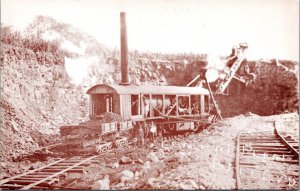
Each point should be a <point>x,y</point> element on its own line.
<point>151,181</point>
<point>139,161</point>
<point>183,157</point>
<point>125,160</point>
<point>115,165</point>
<point>161,153</point>
<point>190,185</point>
<point>152,156</point>
<point>102,184</point>
<point>147,166</point>
<point>126,175</point>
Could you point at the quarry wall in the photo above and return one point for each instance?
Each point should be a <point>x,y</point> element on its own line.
<point>274,91</point>
<point>37,95</point>
<point>36,98</point>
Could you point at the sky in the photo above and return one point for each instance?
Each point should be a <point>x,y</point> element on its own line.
<point>270,27</point>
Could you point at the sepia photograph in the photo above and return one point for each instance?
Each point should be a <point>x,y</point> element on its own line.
<point>149,95</point>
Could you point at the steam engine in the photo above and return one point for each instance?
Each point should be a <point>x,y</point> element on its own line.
<point>172,109</point>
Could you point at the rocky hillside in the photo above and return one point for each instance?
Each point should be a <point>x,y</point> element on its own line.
<point>38,92</point>
<point>36,96</point>
<point>274,91</point>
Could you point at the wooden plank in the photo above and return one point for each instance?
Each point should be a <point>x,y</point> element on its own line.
<point>264,149</point>
<point>29,172</point>
<point>265,156</point>
<point>264,146</point>
<point>62,166</point>
<point>288,161</point>
<point>261,141</point>
<point>11,186</point>
<point>237,165</point>
<point>28,178</point>
<point>267,152</point>
<point>16,186</point>
<point>42,173</point>
<point>273,171</point>
<point>35,176</point>
<point>56,174</point>
<point>59,169</point>
<point>261,155</point>
<point>71,188</point>
<point>26,182</point>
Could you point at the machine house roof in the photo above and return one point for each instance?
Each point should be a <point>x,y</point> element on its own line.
<point>131,89</point>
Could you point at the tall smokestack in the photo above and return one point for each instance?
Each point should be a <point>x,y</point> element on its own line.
<point>124,51</point>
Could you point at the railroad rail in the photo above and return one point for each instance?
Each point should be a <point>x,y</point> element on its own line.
<point>266,158</point>
<point>45,176</point>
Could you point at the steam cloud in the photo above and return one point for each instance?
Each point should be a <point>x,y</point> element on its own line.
<point>77,69</point>
<point>215,67</point>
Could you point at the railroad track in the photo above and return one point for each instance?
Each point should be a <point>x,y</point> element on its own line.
<point>45,176</point>
<point>267,160</point>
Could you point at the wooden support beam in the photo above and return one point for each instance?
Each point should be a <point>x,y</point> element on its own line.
<point>151,108</point>
<point>191,82</point>
<point>190,107</point>
<point>218,112</point>
<point>176,105</point>
<point>164,104</point>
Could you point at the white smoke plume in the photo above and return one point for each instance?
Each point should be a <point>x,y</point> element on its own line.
<point>71,47</point>
<point>77,69</point>
<point>215,67</point>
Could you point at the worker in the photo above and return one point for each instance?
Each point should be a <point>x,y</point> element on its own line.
<point>134,133</point>
<point>153,131</point>
<point>232,57</point>
<point>140,135</point>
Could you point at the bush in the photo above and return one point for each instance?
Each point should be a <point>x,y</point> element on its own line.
<point>37,44</point>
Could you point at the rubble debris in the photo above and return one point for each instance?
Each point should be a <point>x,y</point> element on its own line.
<point>115,165</point>
<point>125,160</point>
<point>152,156</point>
<point>189,185</point>
<point>151,182</point>
<point>111,117</point>
<point>161,153</point>
<point>146,166</point>
<point>127,175</point>
<point>139,161</point>
<point>102,184</point>
<point>183,158</point>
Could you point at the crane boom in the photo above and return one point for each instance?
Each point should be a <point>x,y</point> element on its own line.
<point>231,74</point>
